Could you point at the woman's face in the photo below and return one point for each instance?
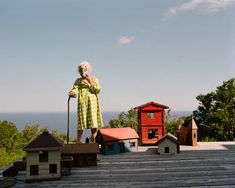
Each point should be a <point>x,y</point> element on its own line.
<point>83,71</point>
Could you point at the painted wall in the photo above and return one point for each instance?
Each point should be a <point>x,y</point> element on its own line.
<point>119,147</point>
<point>156,120</point>
<point>145,132</point>
<point>167,143</point>
<point>151,117</point>
<point>54,157</point>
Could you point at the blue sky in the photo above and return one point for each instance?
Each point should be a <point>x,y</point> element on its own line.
<point>167,51</point>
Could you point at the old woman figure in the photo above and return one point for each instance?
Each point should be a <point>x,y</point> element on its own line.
<point>86,89</point>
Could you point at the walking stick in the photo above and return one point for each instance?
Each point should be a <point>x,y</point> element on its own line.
<point>68,121</point>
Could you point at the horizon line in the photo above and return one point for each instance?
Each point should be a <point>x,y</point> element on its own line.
<point>75,111</point>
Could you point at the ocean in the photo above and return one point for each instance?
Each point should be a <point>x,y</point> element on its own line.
<point>58,120</point>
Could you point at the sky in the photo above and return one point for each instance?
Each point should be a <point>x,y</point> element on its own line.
<point>166,51</point>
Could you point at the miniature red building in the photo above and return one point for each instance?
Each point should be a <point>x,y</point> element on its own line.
<point>151,122</point>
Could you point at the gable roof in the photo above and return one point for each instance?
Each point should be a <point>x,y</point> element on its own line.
<point>113,134</point>
<point>170,137</point>
<point>153,104</point>
<point>45,140</point>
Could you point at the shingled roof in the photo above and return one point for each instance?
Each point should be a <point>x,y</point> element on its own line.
<point>45,140</point>
<point>170,137</point>
<point>113,134</point>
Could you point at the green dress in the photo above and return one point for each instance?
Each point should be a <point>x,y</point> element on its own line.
<point>88,108</point>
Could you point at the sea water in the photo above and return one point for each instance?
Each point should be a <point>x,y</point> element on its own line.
<point>51,120</point>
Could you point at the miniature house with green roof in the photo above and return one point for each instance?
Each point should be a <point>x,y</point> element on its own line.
<point>43,160</point>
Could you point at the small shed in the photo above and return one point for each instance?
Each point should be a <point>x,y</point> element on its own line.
<point>83,154</point>
<point>117,140</point>
<point>151,122</point>
<point>43,159</point>
<point>168,144</point>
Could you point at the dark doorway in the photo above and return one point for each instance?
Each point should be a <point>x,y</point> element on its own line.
<point>122,147</point>
<point>167,150</point>
<point>33,170</point>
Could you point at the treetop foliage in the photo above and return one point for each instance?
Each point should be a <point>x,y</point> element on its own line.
<point>215,115</point>
<point>124,119</point>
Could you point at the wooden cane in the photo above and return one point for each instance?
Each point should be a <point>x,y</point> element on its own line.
<point>68,121</point>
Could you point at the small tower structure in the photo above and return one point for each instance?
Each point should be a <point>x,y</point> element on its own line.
<point>193,131</point>
<point>188,135</point>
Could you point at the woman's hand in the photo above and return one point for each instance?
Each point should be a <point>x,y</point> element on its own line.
<point>88,80</point>
<point>72,94</point>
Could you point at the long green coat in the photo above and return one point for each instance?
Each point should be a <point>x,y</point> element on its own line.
<point>88,108</point>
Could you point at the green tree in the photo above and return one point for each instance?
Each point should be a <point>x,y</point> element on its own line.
<point>173,123</point>
<point>11,143</point>
<point>132,119</point>
<point>114,123</point>
<point>59,135</point>
<point>10,138</point>
<point>30,132</point>
<point>125,120</point>
<point>7,158</point>
<point>215,115</point>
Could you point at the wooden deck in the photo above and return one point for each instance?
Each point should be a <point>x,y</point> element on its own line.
<point>206,165</point>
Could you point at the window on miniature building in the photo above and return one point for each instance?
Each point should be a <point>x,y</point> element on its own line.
<point>132,144</point>
<point>33,170</point>
<point>43,156</point>
<point>152,133</point>
<point>167,150</point>
<point>194,136</point>
<point>110,147</point>
<point>150,115</point>
<point>52,168</point>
